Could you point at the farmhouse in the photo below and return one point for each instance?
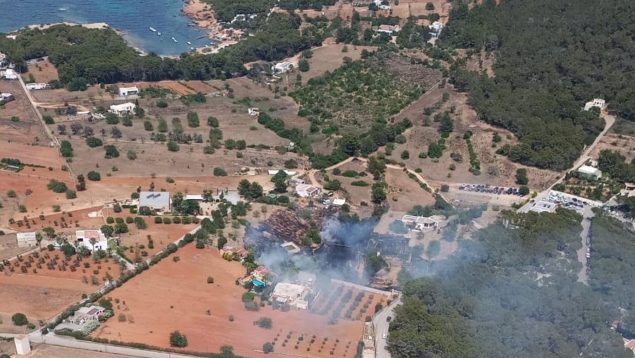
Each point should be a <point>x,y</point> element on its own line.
<point>155,200</point>
<point>122,109</point>
<point>26,239</point>
<point>436,28</point>
<point>36,86</point>
<point>281,67</point>
<point>254,111</point>
<point>9,74</point>
<point>420,223</point>
<point>91,313</point>
<point>6,97</point>
<point>86,238</point>
<point>291,294</point>
<point>339,202</point>
<point>388,29</point>
<point>128,91</point>
<point>597,103</point>
<point>306,190</point>
<point>589,172</point>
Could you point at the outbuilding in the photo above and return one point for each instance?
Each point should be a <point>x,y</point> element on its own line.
<point>128,91</point>
<point>155,200</point>
<point>589,172</point>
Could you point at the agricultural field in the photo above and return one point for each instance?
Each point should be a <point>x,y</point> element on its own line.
<point>175,295</point>
<point>18,121</point>
<point>454,165</point>
<point>141,143</point>
<point>43,283</point>
<point>352,97</point>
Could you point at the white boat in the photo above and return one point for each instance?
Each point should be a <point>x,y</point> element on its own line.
<point>153,29</point>
<point>189,43</point>
<point>173,39</point>
<point>158,33</point>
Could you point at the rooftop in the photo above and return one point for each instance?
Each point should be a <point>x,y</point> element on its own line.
<point>155,199</point>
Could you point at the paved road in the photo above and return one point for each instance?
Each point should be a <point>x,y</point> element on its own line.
<point>381,329</point>
<point>584,236</point>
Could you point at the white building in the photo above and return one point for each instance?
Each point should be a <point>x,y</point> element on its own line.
<point>388,29</point>
<point>339,202</point>
<point>306,190</point>
<point>590,172</point>
<point>254,111</point>
<point>122,109</point>
<point>6,97</point>
<point>281,67</point>
<point>287,172</point>
<point>128,91</point>
<point>596,102</point>
<point>9,74</point>
<point>36,86</point>
<point>420,223</point>
<point>26,239</point>
<point>3,59</point>
<point>156,200</point>
<point>83,238</point>
<point>291,294</point>
<point>22,344</point>
<point>436,28</point>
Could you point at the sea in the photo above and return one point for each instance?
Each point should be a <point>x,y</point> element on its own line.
<point>132,17</point>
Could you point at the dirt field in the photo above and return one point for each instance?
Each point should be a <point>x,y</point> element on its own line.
<point>41,291</point>
<point>623,144</point>
<point>27,129</point>
<point>495,169</point>
<point>403,192</point>
<point>43,71</point>
<point>175,295</point>
<point>30,188</point>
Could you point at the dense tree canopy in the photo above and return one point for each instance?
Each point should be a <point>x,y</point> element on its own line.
<point>508,292</point>
<point>102,56</point>
<point>551,58</point>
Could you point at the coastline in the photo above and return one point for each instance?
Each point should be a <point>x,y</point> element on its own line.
<point>202,15</point>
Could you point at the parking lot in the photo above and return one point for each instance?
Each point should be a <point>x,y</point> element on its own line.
<point>487,189</point>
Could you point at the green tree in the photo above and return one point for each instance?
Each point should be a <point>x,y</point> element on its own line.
<point>19,319</point>
<point>303,65</point>
<point>521,176</point>
<point>177,339</point>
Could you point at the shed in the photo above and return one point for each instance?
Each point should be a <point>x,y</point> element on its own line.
<point>128,91</point>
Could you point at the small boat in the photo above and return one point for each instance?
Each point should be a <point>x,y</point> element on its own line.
<point>158,34</point>
<point>173,39</point>
<point>189,43</point>
<point>153,29</point>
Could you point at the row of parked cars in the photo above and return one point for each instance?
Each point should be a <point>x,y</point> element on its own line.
<point>486,188</point>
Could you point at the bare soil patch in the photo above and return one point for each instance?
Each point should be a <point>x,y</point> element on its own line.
<point>43,289</point>
<point>175,295</point>
<point>27,129</point>
<point>404,192</point>
<point>43,71</point>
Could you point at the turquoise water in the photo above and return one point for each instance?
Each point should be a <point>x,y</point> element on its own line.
<point>133,17</point>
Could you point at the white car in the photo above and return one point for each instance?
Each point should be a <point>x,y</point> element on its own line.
<point>383,336</point>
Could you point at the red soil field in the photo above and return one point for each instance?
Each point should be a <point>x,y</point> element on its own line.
<point>176,296</point>
<point>44,293</point>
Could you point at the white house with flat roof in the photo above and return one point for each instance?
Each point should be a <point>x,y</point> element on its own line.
<point>281,67</point>
<point>597,103</point>
<point>26,239</point>
<point>9,74</point>
<point>291,294</point>
<point>128,91</point>
<point>156,200</point>
<point>306,190</point>
<point>85,237</point>
<point>122,109</point>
